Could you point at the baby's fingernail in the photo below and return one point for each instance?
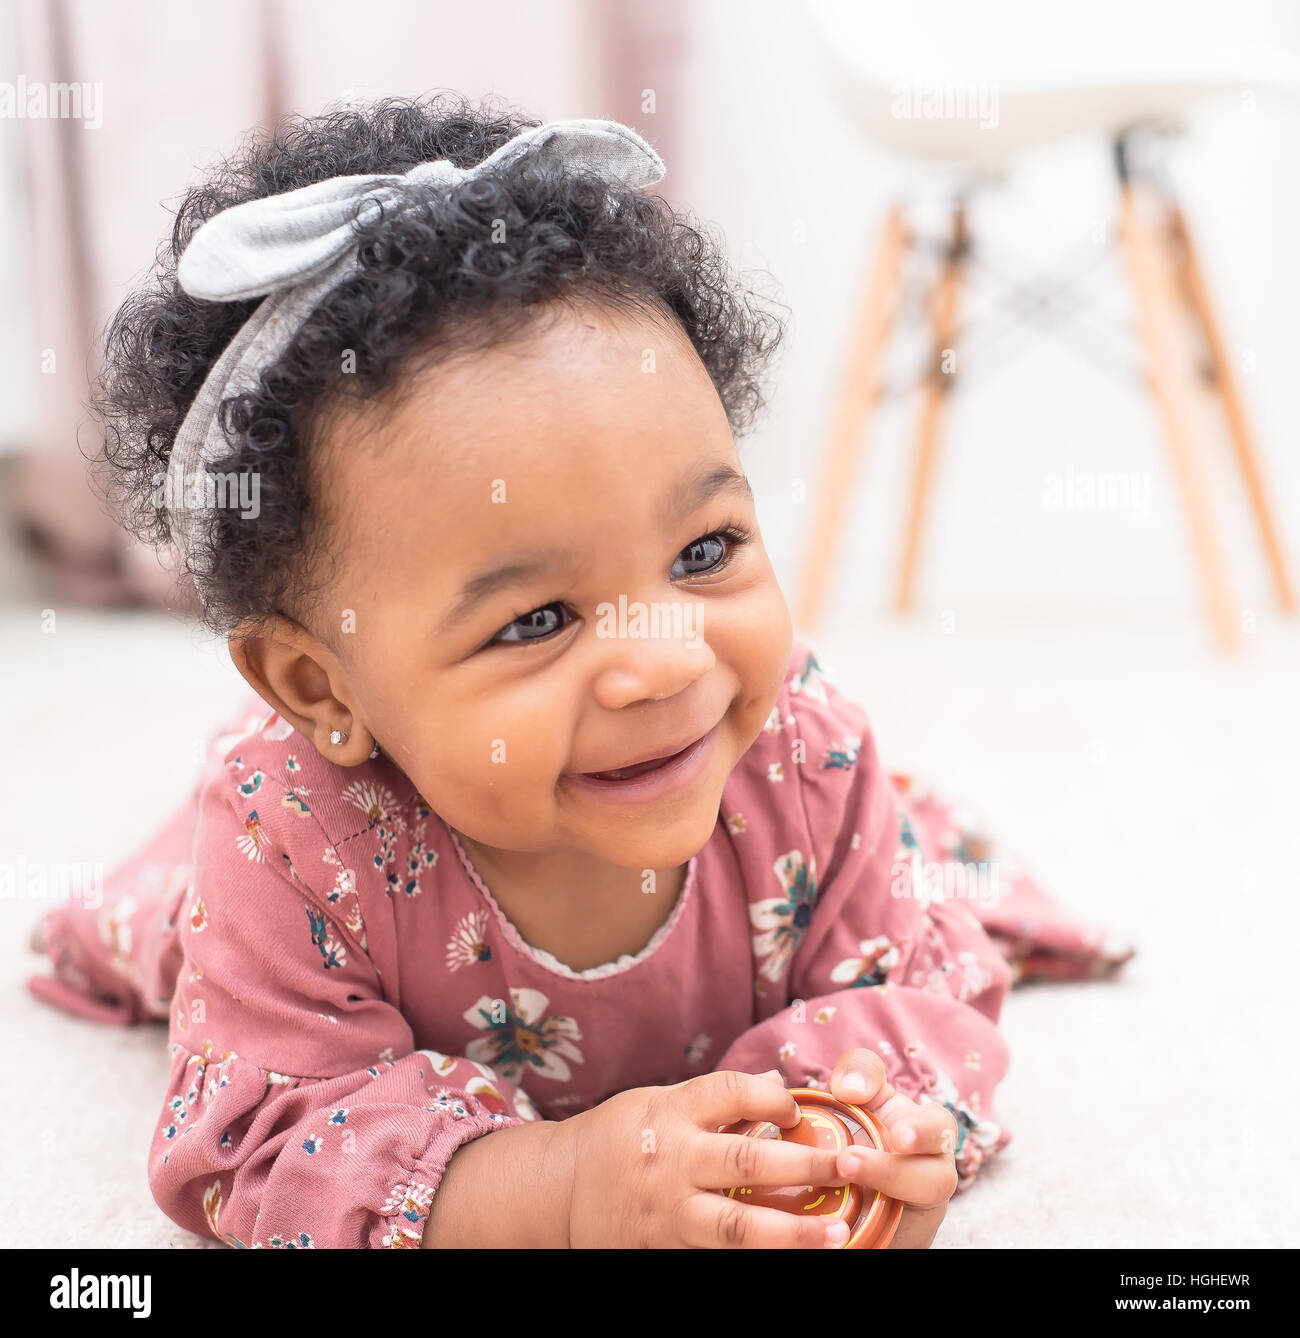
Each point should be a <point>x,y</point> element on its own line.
<point>851,1163</point>
<point>772,1073</point>
<point>836,1234</point>
<point>854,1083</point>
<point>908,1136</point>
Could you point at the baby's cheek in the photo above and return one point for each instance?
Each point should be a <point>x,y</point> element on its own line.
<point>498,788</point>
<point>762,657</point>
<point>773,637</point>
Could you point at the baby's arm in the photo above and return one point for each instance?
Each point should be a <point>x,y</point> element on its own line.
<point>905,991</point>
<point>506,1192</point>
<point>298,1113</point>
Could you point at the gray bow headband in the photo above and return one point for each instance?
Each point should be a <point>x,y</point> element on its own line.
<point>298,246</point>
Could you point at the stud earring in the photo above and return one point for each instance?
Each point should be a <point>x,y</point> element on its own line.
<point>337,736</point>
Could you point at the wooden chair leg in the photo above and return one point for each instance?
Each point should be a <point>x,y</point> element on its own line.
<point>1157,305</point>
<point>1197,294</point>
<point>934,393</point>
<point>861,388</point>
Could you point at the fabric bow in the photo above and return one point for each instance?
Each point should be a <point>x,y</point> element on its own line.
<point>264,245</point>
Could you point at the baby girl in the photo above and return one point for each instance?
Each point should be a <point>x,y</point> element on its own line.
<point>548,852</point>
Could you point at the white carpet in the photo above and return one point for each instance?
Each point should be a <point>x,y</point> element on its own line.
<point>1148,785</point>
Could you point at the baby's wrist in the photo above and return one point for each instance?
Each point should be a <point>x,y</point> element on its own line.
<point>918,1227</point>
<point>506,1189</point>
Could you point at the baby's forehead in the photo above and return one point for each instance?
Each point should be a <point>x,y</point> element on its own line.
<point>590,393</point>
<point>556,361</point>
<point>535,483</point>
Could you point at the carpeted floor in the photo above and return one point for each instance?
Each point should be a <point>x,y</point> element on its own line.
<point>1149,785</point>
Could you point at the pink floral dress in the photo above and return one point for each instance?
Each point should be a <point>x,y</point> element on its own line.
<point>348,1004</point>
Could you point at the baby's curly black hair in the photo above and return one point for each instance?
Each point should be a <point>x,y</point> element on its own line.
<point>430,284</point>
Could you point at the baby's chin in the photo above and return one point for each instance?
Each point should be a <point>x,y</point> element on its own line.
<point>666,846</point>
<point>660,835</point>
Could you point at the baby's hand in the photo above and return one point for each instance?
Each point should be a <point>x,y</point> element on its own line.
<point>921,1170</point>
<point>643,1167</point>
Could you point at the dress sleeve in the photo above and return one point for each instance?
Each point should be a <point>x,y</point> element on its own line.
<point>114,955</point>
<point>877,963</point>
<point>298,1114</point>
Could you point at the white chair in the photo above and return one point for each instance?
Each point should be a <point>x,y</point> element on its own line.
<point>962,90</point>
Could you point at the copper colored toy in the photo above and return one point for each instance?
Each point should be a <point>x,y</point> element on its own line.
<point>872,1218</point>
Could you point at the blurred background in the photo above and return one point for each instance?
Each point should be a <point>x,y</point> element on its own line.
<point>1094,645</point>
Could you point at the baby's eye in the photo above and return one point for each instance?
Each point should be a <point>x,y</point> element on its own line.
<point>535,625</point>
<point>708,553</point>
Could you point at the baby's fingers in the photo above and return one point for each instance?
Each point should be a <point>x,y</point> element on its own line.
<point>930,1129</point>
<point>715,1222</point>
<point>726,1161</point>
<point>859,1077</point>
<point>726,1097</point>
<point>923,1182</point>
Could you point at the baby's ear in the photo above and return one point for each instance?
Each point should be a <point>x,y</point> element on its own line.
<point>301,679</point>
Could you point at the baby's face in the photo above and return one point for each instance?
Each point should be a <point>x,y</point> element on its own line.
<point>544,573</point>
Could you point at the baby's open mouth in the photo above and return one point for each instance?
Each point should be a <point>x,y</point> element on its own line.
<point>628,773</point>
<point>651,778</point>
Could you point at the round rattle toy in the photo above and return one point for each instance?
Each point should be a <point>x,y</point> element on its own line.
<point>872,1217</point>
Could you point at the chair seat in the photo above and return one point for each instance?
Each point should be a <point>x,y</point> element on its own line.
<point>956,91</point>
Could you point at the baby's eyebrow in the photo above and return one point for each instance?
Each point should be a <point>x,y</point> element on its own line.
<point>707,482</point>
<point>501,577</point>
